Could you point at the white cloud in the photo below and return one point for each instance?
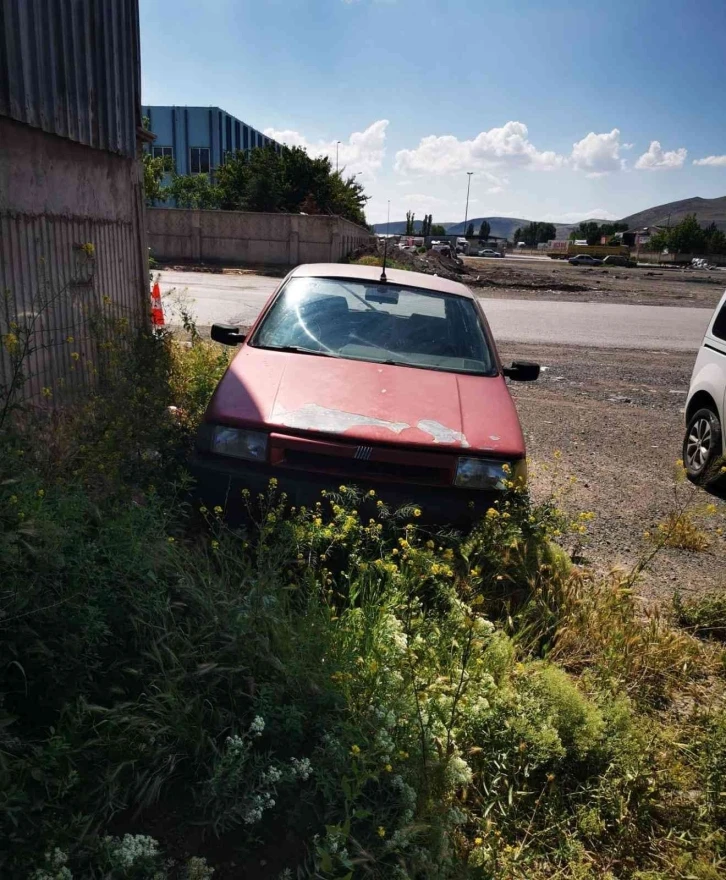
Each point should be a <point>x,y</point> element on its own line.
<point>656,159</point>
<point>598,154</point>
<point>363,152</point>
<point>713,161</point>
<point>505,147</point>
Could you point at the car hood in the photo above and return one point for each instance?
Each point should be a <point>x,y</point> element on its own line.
<point>367,402</point>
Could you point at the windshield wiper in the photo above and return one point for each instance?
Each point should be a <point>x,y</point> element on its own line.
<point>297,349</point>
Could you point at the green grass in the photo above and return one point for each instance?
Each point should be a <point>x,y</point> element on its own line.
<point>705,616</point>
<point>334,696</point>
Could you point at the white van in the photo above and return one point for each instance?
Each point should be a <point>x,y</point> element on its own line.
<point>703,445</point>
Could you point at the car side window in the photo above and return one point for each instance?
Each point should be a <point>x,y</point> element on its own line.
<point>719,325</point>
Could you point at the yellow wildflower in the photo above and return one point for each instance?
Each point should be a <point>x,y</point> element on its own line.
<point>40,493</point>
<point>492,513</point>
<point>416,511</point>
<point>215,545</point>
<point>170,539</point>
<point>381,831</point>
<point>70,339</point>
<point>389,768</point>
<point>75,356</point>
<point>355,750</point>
<point>47,392</point>
<point>217,509</point>
<point>478,841</point>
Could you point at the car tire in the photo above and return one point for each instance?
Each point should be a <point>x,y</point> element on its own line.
<point>703,447</point>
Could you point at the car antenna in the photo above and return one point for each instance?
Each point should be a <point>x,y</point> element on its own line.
<point>383,278</point>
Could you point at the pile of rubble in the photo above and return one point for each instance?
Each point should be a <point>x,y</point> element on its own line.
<point>431,262</point>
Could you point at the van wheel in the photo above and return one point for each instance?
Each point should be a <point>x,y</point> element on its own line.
<point>702,447</point>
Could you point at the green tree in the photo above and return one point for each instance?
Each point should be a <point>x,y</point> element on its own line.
<point>470,231</point>
<point>410,218</point>
<point>546,232</point>
<point>267,180</point>
<point>438,229</point>
<point>484,229</point>
<point>154,170</point>
<point>426,225</point>
<point>193,191</point>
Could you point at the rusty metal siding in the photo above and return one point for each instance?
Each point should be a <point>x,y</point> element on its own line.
<point>72,68</point>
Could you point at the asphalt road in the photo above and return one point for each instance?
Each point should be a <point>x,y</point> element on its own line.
<point>237,299</point>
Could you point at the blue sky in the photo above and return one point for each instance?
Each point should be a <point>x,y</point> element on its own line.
<point>555,106</point>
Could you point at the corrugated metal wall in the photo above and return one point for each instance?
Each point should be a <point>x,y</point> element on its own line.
<point>71,296</point>
<point>71,68</point>
<point>72,227</point>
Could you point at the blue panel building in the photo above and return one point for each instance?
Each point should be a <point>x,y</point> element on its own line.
<point>197,138</point>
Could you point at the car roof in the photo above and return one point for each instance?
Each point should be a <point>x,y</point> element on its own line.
<point>354,271</point>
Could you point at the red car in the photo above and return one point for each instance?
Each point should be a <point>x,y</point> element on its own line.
<point>387,380</point>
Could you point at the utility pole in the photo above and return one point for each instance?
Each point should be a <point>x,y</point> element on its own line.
<point>466,212</point>
<point>388,218</point>
<point>336,156</point>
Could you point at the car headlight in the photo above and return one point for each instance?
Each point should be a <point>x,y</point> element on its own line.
<point>250,445</point>
<point>484,473</point>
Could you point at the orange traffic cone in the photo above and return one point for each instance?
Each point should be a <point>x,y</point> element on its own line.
<point>157,312</point>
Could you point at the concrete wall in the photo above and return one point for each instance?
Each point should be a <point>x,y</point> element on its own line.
<point>57,196</point>
<point>249,237</point>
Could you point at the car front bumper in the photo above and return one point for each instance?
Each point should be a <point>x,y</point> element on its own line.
<point>220,481</point>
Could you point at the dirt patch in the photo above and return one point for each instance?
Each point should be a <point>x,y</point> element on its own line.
<point>615,417</point>
<point>520,279</point>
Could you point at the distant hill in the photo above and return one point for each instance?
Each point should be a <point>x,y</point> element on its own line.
<point>706,211</point>
<point>501,227</point>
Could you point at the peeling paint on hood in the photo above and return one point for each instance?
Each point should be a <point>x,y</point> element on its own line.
<point>441,433</point>
<point>313,417</point>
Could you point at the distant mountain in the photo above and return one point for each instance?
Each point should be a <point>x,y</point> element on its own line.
<point>706,211</point>
<point>500,227</point>
<point>398,227</point>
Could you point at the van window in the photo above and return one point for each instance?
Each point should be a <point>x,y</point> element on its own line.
<point>719,325</point>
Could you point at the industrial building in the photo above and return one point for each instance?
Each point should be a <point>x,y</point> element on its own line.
<point>196,139</point>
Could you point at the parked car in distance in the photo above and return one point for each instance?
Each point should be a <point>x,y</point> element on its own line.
<point>703,444</point>
<point>442,247</point>
<point>619,260</point>
<point>488,252</point>
<point>584,260</point>
<point>391,383</point>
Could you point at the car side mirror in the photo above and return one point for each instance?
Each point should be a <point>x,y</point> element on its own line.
<point>522,371</point>
<point>227,334</point>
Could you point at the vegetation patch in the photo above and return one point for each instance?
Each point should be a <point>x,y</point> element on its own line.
<point>335,692</point>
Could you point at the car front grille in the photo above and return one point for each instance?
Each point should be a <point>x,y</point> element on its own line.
<point>376,463</point>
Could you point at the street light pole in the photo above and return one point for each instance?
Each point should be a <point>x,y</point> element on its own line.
<point>466,212</point>
<point>388,217</point>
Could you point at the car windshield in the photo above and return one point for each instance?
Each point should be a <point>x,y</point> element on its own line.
<point>384,323</point>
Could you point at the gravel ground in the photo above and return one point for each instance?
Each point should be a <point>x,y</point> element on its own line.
<point>556,279</point>
<point>616,418</point>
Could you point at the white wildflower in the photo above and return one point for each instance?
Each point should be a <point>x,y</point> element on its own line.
<point>257,726</point>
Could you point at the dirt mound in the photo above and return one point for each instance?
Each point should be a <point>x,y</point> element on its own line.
<point>431,263</point>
